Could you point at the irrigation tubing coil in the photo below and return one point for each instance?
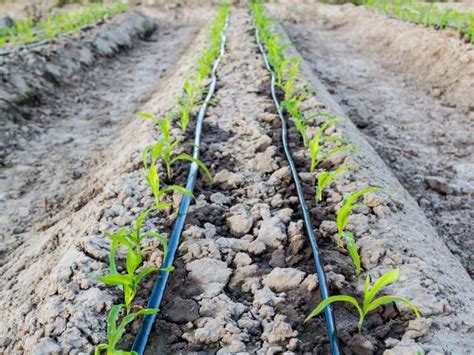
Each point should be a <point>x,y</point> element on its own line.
<point>331,326</point>
<point>157,293</point>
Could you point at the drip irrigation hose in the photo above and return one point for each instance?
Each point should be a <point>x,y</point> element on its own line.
<point>157,293</point>
<point>331,326</point>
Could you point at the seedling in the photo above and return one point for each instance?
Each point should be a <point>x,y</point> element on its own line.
<point>369,303</point>
<point>325,178</point>
<point>319,145</point>
<point>115,330</point>
<point>163,122</point>
<point>348,204</point>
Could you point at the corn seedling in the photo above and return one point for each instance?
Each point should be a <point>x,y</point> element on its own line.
<point>352,249</point>
<point>161,149</point>
<point>325,178</point>
<point>319,148</point>
<point>348,204</point>
<point>153,180</point>
<point>163,122</point>
<point>115,329</point>
<point>131,239</point>
<point>369,303</point>
<point>135,237</point>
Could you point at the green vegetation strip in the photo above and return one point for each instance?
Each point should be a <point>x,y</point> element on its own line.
<point>321,145</point>
<point>131,239</point>
<point>426,14</point>
<point>28,33</point>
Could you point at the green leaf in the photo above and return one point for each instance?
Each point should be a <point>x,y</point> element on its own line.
<point>146,115</point>
<point>352,249</point>
<point>168,269</point>
<point>100,347</point>
<point>385,280</point>
<point>143,273</point>
<point>332,299</point>
<point>134,259</point>
<point>112,319</point>
<point>353,197</point>
<point>389,299</point>
<point>194,160</point>
<point>116,280</point>
<point>128,319</point>
<point>143,215</point>
<point>178,188</point>
<point>162,239</point>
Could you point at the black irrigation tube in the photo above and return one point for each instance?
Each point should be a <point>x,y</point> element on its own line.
<point>157,293</point>
<point>331,326</point>
<point>47,40</point>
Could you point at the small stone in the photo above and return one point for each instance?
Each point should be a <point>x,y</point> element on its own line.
<point>220,198</point>
<point>361,345</point>
<point>278,331</point>
<point>405,349</point>
<point>242,259</point>
<point>241,221</point>
<point>272,232</point>
<point>211,274</point>
<point>283,279</point>
<point>440,185</point>
<point>228,180</point>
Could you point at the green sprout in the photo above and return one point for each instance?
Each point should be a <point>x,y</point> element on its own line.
<point>116,330</point>
<point>325,178</point>
<point>348,204</point>
<point>319,145</point>
<point>369,303</point>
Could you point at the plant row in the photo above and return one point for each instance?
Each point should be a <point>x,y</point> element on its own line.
<point>158,160</point>
<point>29,31</point>
<point>426,14</point>
<point>321,146</point>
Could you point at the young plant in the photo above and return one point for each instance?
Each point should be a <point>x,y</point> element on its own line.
<point>348,204</point>
<point>163,122</point>
<point>128,282</point>
<point>319,149</point>
<point>325,178</point>
<point>115,330</point>
<point>369,303</point>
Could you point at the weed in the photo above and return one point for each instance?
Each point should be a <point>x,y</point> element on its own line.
<point>369,303</point>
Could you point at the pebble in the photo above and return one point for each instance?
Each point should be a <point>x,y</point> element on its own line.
<point>283,279</point>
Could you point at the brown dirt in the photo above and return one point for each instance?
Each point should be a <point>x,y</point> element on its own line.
<point>244,279</point>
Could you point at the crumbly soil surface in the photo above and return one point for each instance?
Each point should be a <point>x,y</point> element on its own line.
<point>397,83</point>
<point>52,160</point>
<point>244,278</point>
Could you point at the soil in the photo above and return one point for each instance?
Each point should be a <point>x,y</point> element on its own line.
<point>420,137</point>
<point>54,167</point>
<point>244,278</point>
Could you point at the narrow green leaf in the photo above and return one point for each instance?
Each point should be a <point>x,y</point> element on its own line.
<point>385,280</point>
<point>332,299</point>
<point>389,299</point>
<point>352,249</point>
